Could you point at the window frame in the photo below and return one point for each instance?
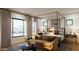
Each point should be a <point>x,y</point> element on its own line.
<point>13,27</point>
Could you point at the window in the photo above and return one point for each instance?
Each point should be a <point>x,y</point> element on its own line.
<point>45,25</point>
<point>18,27</point>
<point>33,27</point>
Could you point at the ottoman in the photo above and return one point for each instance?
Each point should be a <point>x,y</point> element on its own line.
<point>25,47</point>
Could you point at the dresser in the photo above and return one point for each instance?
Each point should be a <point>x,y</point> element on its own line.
<point>71,38</point>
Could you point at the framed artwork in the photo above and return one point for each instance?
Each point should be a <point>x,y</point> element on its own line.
<point>69,22</point>
<point>54,23</point>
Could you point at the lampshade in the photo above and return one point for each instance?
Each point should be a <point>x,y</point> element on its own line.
<point>41,29</point>
<point>51,29</point>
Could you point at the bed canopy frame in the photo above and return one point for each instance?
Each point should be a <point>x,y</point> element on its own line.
<point>54,16</point>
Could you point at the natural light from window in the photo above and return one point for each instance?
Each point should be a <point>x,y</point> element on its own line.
<point>18,27</point>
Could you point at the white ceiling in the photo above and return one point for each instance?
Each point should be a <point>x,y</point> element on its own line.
<point>40,11</point>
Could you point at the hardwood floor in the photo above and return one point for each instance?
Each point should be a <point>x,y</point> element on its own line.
<point>63,47</point>
<point>69,47</point>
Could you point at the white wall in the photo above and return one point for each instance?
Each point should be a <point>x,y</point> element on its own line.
<point>17,40</point>
<point>75,27</point>
<point>49,23</point>
<point>29,27</point>
<point>16,15</point>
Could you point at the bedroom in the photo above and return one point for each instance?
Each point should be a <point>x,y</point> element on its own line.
<point>34,21</point>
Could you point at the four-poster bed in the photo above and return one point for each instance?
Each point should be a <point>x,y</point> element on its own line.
<point>52,27</point>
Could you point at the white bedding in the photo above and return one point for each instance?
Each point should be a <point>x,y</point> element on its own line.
<point>60,36</point>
